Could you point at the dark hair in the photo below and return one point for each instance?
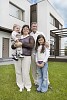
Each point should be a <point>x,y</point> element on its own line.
<point>37,43</point>
<point>23,28</point>
<point>33,23</point>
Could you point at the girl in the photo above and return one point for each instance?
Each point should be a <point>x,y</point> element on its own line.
<point>42,54</point>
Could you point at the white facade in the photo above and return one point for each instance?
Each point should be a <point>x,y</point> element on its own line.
<point>44,9</point>
<point>7,20</point>
<point>9,10</point>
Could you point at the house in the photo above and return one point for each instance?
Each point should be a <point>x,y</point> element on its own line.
<point>48,19</point>
<point>22,12</point>
<point>11,12</point>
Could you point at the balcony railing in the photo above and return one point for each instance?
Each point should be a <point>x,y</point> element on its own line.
<point>60,52</point>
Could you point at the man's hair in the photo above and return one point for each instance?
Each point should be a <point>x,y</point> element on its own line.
<point>33,23</point>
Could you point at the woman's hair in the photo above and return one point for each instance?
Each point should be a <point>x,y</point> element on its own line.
<point>23,28</point>
<point>37,43</point>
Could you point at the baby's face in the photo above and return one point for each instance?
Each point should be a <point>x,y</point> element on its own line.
<point>17,29</point>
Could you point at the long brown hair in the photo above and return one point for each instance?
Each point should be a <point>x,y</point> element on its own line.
<point>37,43</point>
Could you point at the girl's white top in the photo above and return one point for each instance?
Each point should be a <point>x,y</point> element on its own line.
<point>42,56</point>
<point>35,38</point>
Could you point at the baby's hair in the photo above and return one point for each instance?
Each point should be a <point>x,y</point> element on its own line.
<point>14,26</point>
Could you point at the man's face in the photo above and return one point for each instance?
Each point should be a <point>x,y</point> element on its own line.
<point>34,27</point>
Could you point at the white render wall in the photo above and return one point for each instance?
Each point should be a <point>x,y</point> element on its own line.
<point>8,21</point>
<point>4,35</point>
<point>44,9</point>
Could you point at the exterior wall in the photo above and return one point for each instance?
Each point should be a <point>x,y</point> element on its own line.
<point>4,35</point>
<point>8,21</point>
<point>44,9</point>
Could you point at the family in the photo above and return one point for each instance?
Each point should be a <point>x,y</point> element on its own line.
<point>30,49</point>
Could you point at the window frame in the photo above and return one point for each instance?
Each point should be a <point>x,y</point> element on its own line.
<point>22,17</point>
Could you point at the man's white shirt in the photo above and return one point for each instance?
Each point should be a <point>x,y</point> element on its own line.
<point>36,34</point>
<point>35,38</point>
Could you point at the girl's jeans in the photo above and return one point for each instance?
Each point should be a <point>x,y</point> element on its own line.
<point>42,78</point>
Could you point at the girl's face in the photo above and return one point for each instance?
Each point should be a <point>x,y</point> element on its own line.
<point>25,31</point>
<point>41,41</point>
<point>17,29</point>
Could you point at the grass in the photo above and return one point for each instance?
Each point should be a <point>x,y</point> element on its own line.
<point>58,80</point>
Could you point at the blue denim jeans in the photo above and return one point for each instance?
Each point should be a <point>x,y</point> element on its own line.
<point>42,78</point>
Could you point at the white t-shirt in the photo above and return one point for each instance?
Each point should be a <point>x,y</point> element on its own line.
<point>42,56</point>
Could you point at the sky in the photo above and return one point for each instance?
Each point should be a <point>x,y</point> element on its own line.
<point>61,7</point>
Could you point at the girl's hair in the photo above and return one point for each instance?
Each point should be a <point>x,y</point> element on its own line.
<point>23,28</point>
<point>37,43</point>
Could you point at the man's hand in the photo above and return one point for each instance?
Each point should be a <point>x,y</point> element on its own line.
<point>47,45</point>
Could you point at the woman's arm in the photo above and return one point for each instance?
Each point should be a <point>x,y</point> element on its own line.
<point>29,45</point>
<point>16,45</point>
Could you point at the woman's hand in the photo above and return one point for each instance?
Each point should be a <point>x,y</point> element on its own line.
<point>18,44</point>
<point>40,65</point>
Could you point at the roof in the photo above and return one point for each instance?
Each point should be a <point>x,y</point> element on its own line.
<point>60,32</point>
<point>5,29</point>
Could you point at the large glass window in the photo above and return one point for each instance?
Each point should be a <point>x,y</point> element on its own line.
<point>16,12</point>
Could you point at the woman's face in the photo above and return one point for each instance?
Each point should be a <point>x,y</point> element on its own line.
<point>25,31</point>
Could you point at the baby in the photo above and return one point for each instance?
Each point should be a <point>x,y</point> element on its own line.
<point>15,37</point>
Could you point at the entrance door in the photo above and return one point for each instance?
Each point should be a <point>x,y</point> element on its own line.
<point>5,49</point>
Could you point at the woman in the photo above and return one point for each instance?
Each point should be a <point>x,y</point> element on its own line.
<point>22,66</point>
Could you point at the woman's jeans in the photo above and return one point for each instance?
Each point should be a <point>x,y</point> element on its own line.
<point>42,78</point>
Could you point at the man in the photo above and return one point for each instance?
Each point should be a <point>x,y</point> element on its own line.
<point>35,33</point>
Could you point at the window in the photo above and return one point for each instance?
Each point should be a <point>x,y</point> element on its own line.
<point>16,12</point>
<point>52,20</point>
<point>60,26</point>
<point>55,22</point>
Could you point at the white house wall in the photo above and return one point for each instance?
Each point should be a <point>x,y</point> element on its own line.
<point>4,35</point>
<point>44,9</point>
<point>25,5</point>
<point>8,21</point>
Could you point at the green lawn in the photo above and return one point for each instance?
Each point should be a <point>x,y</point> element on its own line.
<point>58,80</point>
